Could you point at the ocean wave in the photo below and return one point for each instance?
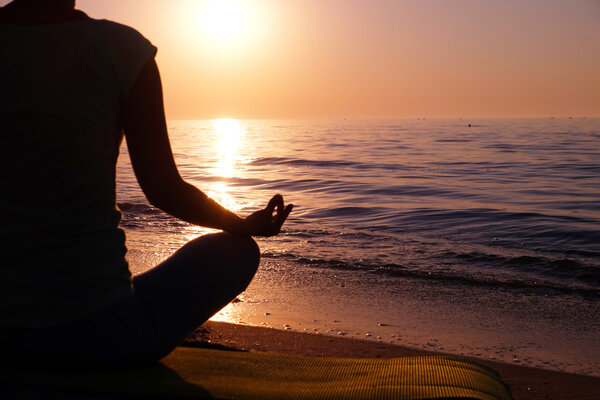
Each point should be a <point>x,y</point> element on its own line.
<point>138,208</point>
<point>300,162</point>
<point>561,268</point>
<point>453,140</point>
<point>442,275</point>
<point>143,216</point>
<point>371,248</point>
<point>527,224</point>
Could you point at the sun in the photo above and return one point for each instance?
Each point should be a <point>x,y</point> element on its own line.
<point>224,19</point>
<point>221,28</point>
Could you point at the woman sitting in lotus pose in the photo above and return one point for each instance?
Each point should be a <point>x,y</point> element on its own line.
<point>71,87</point>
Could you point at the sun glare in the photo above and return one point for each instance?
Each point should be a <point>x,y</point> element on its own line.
<point>223,19</point>
<point>229,133</point>
<point>208,30</point>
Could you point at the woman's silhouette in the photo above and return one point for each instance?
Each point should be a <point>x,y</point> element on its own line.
<point>70,87</point>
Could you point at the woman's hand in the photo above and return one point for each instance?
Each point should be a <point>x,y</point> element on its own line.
<point>264,222</point>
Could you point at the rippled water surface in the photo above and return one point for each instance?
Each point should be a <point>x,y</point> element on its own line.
<point>507,206</point>
<point>502,202</point>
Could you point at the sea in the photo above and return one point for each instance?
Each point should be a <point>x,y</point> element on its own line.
<point>478,237</point>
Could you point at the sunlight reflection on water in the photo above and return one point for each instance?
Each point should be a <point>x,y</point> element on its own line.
<point>229,133</point>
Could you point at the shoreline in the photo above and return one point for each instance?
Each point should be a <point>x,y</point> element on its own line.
<point>526,383</point>
<point>516,327</point>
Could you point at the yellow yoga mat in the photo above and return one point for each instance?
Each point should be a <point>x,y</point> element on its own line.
<point>204,373</point>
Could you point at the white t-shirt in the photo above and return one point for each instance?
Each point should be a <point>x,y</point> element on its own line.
<point>62,88</point>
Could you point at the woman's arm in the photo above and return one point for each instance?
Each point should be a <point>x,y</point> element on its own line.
<point>155,169</point>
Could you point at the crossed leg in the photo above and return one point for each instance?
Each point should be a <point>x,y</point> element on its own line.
<point>194,283</point>
<point>168,303</point>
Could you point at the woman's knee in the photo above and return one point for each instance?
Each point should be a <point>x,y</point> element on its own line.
<point>235,254</point>
<point>247,259</point>
<point>251,251</point>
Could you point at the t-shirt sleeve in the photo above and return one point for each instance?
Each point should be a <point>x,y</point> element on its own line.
<point>129,52</point>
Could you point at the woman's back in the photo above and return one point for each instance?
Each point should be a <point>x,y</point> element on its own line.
<point>63,87</point>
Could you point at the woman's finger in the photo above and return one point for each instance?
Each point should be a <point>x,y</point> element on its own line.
<point>282,216</point>
<point>276,201</point>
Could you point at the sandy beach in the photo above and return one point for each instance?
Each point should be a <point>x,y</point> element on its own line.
<point>525,383</point>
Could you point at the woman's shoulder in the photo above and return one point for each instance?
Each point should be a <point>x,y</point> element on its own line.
<point>115,30</point>
<point>121,42</point>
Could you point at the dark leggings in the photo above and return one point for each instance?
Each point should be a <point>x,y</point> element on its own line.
<point>168,303</point>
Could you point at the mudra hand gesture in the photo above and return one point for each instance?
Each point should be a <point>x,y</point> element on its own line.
<point>264,222</point>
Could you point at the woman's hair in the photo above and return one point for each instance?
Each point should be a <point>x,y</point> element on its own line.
<point>46,4</point>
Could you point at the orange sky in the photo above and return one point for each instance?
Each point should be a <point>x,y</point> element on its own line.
<point>371,58</point>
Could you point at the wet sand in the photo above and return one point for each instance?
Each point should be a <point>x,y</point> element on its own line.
<point>525,382</point>
<point>524,328</point>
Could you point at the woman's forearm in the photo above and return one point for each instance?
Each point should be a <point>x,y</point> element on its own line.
<point>188,203</point>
